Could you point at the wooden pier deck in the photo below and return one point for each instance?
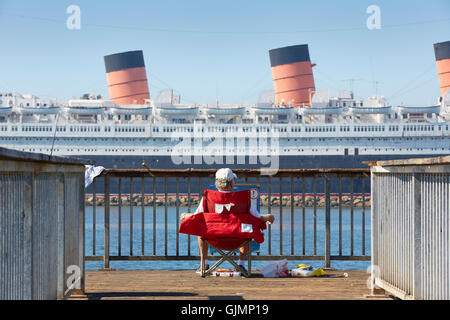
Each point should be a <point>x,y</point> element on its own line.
<point>187,285</point>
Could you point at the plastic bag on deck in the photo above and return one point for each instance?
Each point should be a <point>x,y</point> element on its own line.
<point>275,269</point>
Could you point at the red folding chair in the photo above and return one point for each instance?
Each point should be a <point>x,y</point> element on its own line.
<point>226,225</point>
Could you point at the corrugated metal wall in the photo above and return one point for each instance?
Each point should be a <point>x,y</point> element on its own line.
<point>394,229</point>
<point>411,228</point>
<point>435,230</point>
<point>15,236</point>
<point>41,221</point>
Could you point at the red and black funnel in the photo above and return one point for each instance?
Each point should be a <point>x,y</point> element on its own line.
<point>292,75</point>
<point>442,53</point>
<point>126,76</point>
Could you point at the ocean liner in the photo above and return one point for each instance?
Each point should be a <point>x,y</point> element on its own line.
<point>292,126</point>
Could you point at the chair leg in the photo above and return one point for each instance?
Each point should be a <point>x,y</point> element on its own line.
<point>249,258</point>
<point>227,257</point>
<point>224,257</point>
<point>202,260</point>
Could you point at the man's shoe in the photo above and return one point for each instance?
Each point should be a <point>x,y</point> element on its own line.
<point>243,271</point>
<point>199,269</point>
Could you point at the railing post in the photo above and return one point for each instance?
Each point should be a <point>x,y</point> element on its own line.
<point>106,266</point>
<point>119,224</point>
<point>143,217</point>
<point>327,222</point>
<point>269,203</point>
<point>374,223</point>
<point>189,211</point>
<point>131,216</point>
<point>281,216</point>
<point>94,205</point>
<point>315,214</point>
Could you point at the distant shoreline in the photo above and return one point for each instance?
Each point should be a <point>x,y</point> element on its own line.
<point>275,200</point>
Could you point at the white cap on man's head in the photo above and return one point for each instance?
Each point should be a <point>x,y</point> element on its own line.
<point>226,173</point>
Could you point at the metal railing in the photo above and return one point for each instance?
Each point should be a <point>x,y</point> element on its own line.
<point>411,227</point>
<point>146,226</point>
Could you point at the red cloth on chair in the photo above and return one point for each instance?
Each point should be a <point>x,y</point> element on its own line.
<point>229,228</point>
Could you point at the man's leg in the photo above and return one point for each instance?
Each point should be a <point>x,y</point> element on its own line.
<point>203,247</point>
<point>243,253</point>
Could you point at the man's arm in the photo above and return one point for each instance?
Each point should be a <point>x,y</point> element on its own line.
<point>269,218</point>
<point>254,211</point>
<point>264,217</point>
<point>198,210</point>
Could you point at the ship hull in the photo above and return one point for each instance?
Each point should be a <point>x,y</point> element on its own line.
<point>285,162</point>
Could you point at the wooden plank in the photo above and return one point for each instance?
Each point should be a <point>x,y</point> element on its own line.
<point>411,162</point>
<point>186,284</point>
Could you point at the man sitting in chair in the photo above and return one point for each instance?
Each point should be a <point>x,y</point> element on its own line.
<point>225,181</point>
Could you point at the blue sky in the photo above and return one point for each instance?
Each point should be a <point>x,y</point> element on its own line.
<point>219,49</point>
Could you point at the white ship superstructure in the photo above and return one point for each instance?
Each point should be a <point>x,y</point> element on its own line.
<point>342,126</point>
<point>294,123</point>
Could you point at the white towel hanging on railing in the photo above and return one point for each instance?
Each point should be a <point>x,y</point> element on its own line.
<point>90,173</point>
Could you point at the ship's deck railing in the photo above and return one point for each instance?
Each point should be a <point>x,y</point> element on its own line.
<point>140,129</point>
<point>135,214</point>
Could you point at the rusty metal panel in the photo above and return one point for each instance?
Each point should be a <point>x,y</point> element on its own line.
<point>40,227</point>
<point>44,233</point>
<point>74,224</point>
<point>15,233</point>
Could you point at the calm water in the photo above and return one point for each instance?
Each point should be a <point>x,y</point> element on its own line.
<point>183,239</point>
